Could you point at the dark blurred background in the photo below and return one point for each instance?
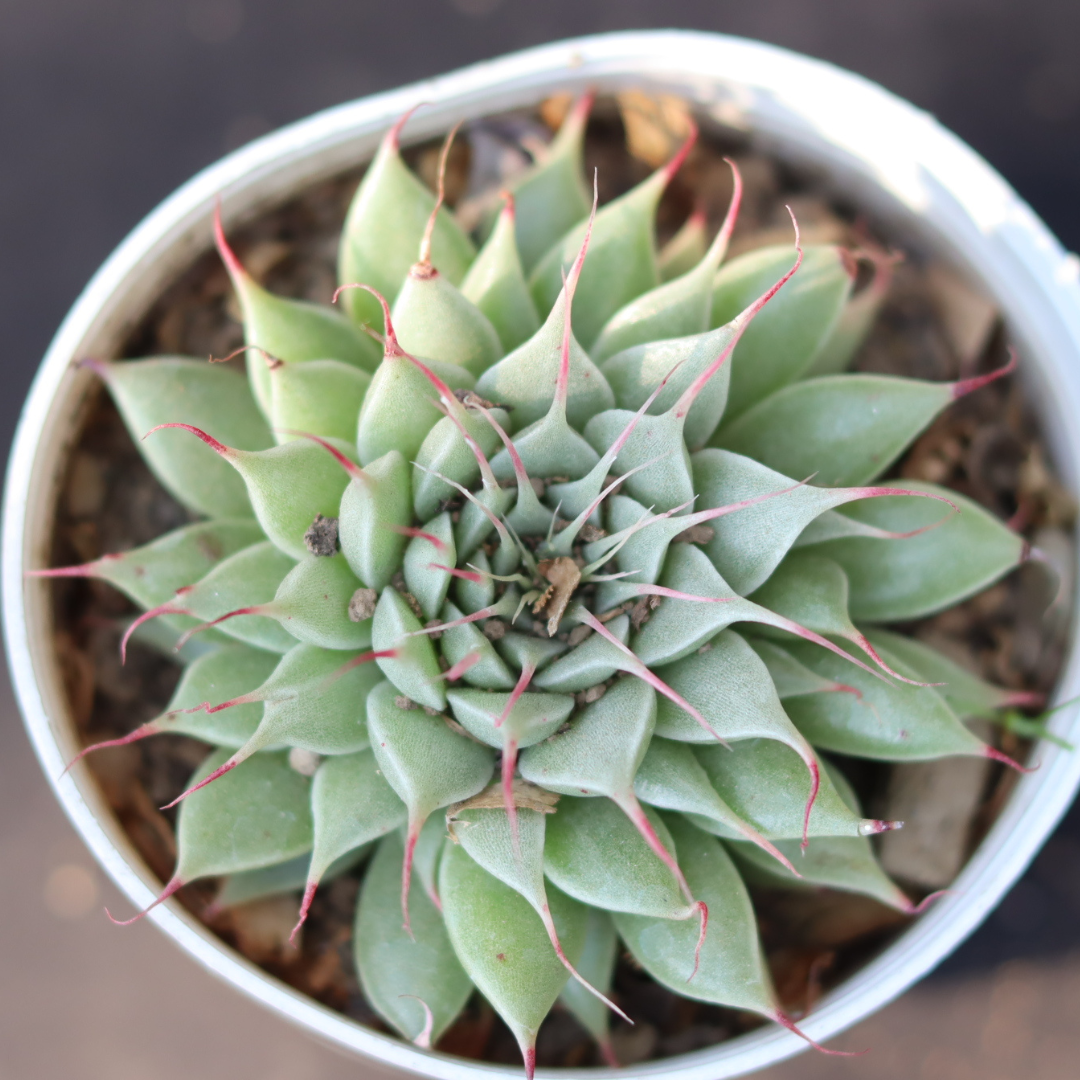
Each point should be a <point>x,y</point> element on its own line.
<point>105,107</point>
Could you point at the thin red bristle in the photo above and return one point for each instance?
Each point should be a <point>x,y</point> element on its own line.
<point>393,137</point>
<point>217,447</point>
<point>630,806</point>
<point>785,1021</point>
<point>703,914</point>
<point>354,470</point>
<point>259,609</point>
<point>570,282</point>
<point>919,908</point>
<point>168,608</point>
<point>406,871</point>
<point>305,907</point>
<point>740,323</point>
<point>228,256</point>
<point>141,732</point>
<point>220,771</point>
<point>409,530</point>
<point>467,575</point>
<point>173,885</point>
<point>676,163</point>
<point>962,387</point>
<point>996,755</point>
<point>815,787</point>
<point>469,660</point>
<point>440,195</point>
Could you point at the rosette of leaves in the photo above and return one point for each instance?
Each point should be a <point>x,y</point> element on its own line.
<point>541,581</point>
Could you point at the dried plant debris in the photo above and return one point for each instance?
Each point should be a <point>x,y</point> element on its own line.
<point>543,611</point>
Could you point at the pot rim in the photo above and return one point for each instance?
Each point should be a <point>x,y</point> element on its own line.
<point>879,149</point>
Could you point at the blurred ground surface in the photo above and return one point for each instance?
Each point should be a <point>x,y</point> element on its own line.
<point>105,107</point>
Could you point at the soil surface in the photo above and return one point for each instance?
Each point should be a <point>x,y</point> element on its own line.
<point>932,325</point>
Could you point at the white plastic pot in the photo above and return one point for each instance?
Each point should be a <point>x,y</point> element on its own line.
<point>881,153</point>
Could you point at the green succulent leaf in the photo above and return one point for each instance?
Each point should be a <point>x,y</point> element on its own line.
<point>893,580</point>
<point>842,429</point>
<point>383,229</point>
<point>531,718</point>
<point>732,968</point>
<point>374,512</point>
<point>833,862</point>
<point>503,946</point>
<point>595,854</point>
<point>286,877</point>
<point>351,805</point>
<point>222,675</point>
<point>151,574</point>
<point>170,390</point>
<point>312,604</point>
<point>622,257</point>
<point>434,320</point>
<point>320,397</point>
<point>401,973</point>
<point>887,722</point>
<point>596,966</point>
<point>783,341</point>
<point>496,284</point>
<point>685,249</point>
<point>257,815</point>
<point>551,197</point>
<point>244,581</point>
<point>767,785</point>
<point>425,554</point>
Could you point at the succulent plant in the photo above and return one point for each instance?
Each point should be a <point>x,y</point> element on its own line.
<point>543,582</point>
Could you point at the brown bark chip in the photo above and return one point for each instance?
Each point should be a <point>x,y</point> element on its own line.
<point>362,605</point>
<point>322,536</point>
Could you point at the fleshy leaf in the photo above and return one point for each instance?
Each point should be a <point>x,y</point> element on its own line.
<point>266,805</point>
<point>532,718</point>
<point>489,672</point>
<point>513,852</point>
<point>594,853</point>
<point>732,968</point>
<point>399,408</point>
<point>151,574</point>
<point>686,248</point>
<point>149,393</point>
<point>245,580</point>
<point>425,762</point>
<point>284,877</point>
<point>402,973</point>
<point>312,604</point>
<point>888,722</point>
<point>314,700</point>
<point>782,344</point>
<point>834,862</point>
<point>965,693</point>
<point>496,284</point>
<point>897,580</point>
<point>321,397</point>
<point>789,676</point>
<point>435,321</point>
<point>217,676</point>
<point>525,380</point>
<point>351,805</point>
<point>444,452</point>
<point>676,308</point>
<point>597,966</point>
<point>592,662</point>
<point>671,778</point>
<point>855,322</point>
<point>503,946</point>
<point>551,197</point>
<point>766,784</point>
<point>843,429</point>
<point>430,549</point>
<point>383,229</point>
<point>622,261</point>
<point>749,545</point>
<point>413,667</point>
<point>287,485</point>
<point>292,330</point>
<point>374,508</point>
